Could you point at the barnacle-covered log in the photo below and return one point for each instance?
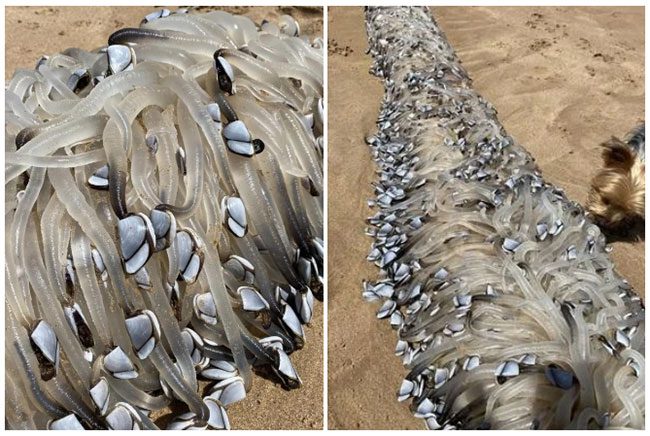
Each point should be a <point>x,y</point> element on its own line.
<point>163,221</point>
<point>507,306</point>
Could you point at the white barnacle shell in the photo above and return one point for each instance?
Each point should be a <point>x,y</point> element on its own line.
<point>386,309</point>
<point>184,421</point>
<point>304,268</point>
<point>215,112</point>
<point>225,73</point>
<point>160,13</point>
<point>190,255</point>
<point>100,393</point>
<point>405,390</point>
<point>241,148</point>
<point>219,370</point>
<point>204,308</point>
<point>234,215</point>
<point>194,346</point>
<point>124,417</point>
<point>252,300</point>
<point>137,240</point>
<point>228,391</point>
<point>68,422</point>
<point>164,226</point>
<point>218,418</point>
<point>119,57</point>
<point>292,322</point>
<point>144,330</point>
<point>45,339</point>
<point>509,368</point>
<point>240,268</point>
<point>237,131</point>
<point>305,305</point>
<point>285,370</point>
<point>119,365</point>
<point>99,179</point>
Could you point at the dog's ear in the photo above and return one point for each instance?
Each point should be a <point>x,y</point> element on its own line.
<point>617,154</point>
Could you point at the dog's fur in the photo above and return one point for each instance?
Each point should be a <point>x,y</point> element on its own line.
<point>617,195</point>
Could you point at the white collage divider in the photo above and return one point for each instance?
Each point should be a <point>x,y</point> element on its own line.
<point>325,4</point>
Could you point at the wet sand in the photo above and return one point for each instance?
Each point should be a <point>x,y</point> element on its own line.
<point>34,31</point>
<point>563,80</point>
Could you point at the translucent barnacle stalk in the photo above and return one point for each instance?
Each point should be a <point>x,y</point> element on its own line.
<point>131,285</point>
<point>507,307</point>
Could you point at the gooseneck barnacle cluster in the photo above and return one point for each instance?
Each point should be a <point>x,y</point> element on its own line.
<point>507,306</point>
<point>163,221</point>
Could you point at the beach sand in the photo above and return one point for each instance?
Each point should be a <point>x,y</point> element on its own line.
<point>34,31</point>
<point>563,81</point>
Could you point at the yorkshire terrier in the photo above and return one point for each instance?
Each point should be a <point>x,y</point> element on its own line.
<point>617,195</point>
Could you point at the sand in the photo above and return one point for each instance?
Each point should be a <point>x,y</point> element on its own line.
<point>563,80</point>
<point>34,31</point>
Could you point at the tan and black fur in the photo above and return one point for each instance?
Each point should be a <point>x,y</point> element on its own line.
<point>617,194</point>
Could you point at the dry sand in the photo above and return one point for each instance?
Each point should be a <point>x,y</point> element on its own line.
<point>563,79</point>
<point>34,31</point>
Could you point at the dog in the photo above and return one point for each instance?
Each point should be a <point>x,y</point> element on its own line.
<point>617,195</point>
